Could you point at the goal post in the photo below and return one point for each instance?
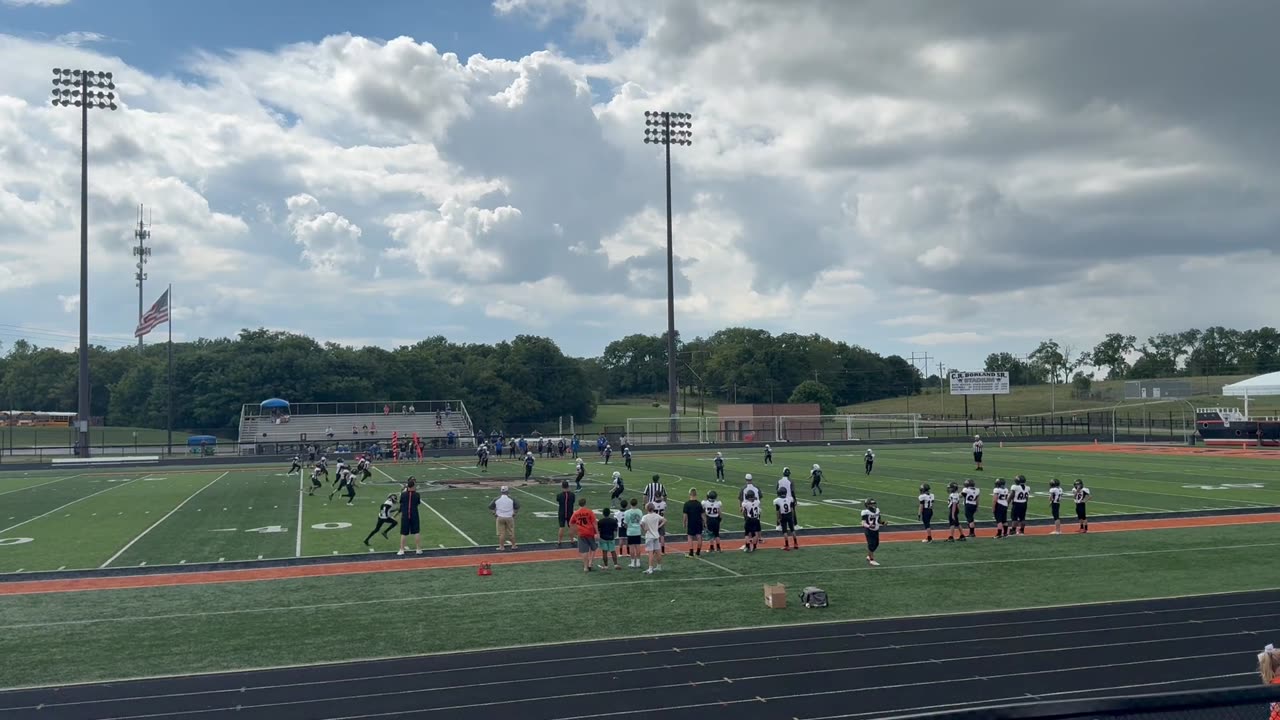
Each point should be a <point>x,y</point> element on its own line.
<point>657,431</point>
<point>833,428</point>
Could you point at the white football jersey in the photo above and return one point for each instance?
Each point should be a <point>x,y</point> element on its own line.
<point>1001,495</point>
<point>926,500</point>
<point>751,509</point>
<point>1055,495</point>
<point>971,495</point>
<point>871,518</point>
<point>1020,494</point>
<point>1082,495</point>
<point>784,505</point>
<point>785,484</point>
<point>712,508</point>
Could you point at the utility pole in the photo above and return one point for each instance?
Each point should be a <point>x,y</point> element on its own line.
<point>925,357</point>
<point>142,253</point>
<point>942,403</point>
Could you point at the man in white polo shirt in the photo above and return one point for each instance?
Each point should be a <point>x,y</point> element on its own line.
<point>504,509</point>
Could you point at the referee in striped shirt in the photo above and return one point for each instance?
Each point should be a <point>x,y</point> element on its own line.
<point>654,490</point>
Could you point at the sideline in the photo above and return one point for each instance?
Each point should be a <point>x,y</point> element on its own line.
<point>121,582</point>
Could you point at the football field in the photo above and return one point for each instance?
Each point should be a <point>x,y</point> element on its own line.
<point>69,520</point>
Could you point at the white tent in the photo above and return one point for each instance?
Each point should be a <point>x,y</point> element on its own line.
<point>1268,384</point>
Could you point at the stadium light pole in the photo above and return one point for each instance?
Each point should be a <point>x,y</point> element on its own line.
<point>667,129</point>
<point>87,90</point>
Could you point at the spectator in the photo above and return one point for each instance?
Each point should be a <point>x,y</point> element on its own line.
<point>652,524</point>
<point>693,525</point>
<point>386,409</point>
<point>584,521</point>
<point>373,428</point>
<point>608,527</point>
<point>1269,668</point>
<point>439,419</point>
<point>453,436</point>
<point>329,432</point>
<point>504,509</point>
<point>410,499</point>
<point>413,410</point>
<point>635,533</point>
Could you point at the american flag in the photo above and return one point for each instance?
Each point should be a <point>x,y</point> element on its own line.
<point>156,316</point>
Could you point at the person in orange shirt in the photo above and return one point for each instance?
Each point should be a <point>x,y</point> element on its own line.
<point>1269,668</point>
<point>584,521</point>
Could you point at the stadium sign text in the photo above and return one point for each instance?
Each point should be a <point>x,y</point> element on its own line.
<point>979,383</point>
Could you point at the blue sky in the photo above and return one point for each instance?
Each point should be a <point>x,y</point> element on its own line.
<point>910,176</point>
<point>158,36</point>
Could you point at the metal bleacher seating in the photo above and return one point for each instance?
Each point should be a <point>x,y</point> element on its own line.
<point>325,423</point>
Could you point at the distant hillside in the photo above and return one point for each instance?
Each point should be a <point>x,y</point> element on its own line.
<point>1035,400</point>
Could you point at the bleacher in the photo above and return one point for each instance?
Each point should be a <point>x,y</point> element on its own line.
<point>363,422</point>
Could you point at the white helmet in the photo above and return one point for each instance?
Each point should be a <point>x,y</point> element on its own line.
<point>617,475</point>
<point>717,454</point>
<point>815,466</point>
<point>748,477</point>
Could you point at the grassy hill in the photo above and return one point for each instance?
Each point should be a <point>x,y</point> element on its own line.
<point>25,437</point>
<point>1038,399</point>
<point>615,411</point>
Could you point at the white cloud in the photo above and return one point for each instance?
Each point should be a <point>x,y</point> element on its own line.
<point>330,242</point>
<point>80,37</point>
<point>70,303</point>
<point>35,3</point>
<point>948,338</point>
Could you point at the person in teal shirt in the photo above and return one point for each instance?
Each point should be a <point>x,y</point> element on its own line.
<point>635,536</point>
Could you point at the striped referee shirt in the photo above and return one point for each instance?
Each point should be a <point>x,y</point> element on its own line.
<point>654,490</point>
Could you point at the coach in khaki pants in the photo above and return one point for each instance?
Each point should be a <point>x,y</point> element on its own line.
<point>505,509</point>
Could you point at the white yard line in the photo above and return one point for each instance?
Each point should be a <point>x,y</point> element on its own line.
<point>32,487</point>
<point>73,502</point>
<point>297,543</point>
<point>427,505</point>
<point>535,495</point>
<point>157,523</point>
<point>735,573</point>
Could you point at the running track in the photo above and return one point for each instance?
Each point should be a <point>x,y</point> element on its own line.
<point>868,669</point>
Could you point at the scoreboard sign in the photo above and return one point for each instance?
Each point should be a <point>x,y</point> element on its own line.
<point>979,383</point>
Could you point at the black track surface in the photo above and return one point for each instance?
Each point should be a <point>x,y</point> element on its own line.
<point>868,669</point>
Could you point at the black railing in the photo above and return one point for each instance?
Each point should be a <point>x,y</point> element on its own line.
<point>1246,703</point>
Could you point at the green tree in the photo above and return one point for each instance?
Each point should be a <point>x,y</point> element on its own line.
<point>812,391</point>
<point>1111,352</point>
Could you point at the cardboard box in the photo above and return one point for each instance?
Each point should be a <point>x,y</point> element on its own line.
<point>775,596</point>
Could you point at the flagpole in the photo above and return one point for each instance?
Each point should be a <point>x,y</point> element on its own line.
<point>169,402</point>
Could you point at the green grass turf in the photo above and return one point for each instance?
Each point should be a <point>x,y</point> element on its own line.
<point>24,437</point>
<point>171,516</point>
<point>129,633</point>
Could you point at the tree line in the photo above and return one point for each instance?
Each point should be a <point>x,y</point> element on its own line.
<point>529,380</point>
<point>1215,350</point>
<point>526,380</point>
<point>747,365</point>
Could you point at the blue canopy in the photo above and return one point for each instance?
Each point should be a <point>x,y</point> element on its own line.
<point>195,440</point>
<point>274,403</point>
